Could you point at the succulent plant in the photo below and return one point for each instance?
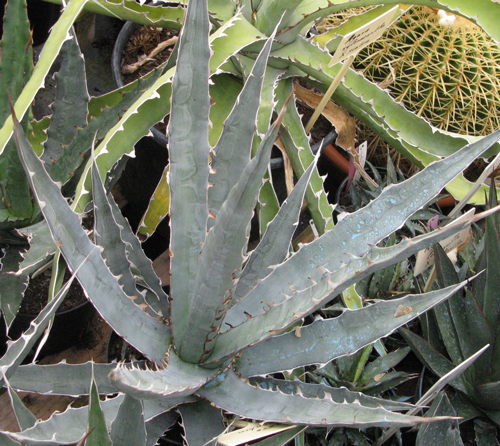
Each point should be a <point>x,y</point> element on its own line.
<point>219,335</point>
<point>438,70</point>
<point>466,322</point>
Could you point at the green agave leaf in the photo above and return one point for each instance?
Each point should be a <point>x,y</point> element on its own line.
<point>98,431</point>
<point>16,66</point>
<point>357,231</point>
<point>68,427</point>
<point>58,35</point>
<point>337,394</point>
<point>128,428</point>
<point>442,433</point>
<point>42,247</point>
<point>62,378</point>
<point>25,419</point>
<point>13,285</point>
<point>327,339</point>
<point>274,13</point>
<point>145,333</point>
<point>299,152</point>
<point>69,110</point>
<point>229,393</point>
<point>224,91</point>
<point>189,152</point>
<point>120,248</point>
<point>157,426</point>
<point>232,152</point>
<point>275,244</point>
<point>139,260</point>
<point>100,122</point>
<point>202,423</point>
<point>107,236</point>
<point>177,380</point>
<point>164,16</point>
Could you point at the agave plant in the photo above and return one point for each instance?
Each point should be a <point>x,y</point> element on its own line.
<point>467,321</point>
<point>220,334</point>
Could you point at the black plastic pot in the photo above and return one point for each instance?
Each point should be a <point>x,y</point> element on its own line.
<point>123,37</point>
<point>68,328</point>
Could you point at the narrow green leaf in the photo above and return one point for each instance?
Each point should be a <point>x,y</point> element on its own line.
<point>128,428</point>
<point>490,297</point>
<point>431,358</point>
<point>97,427</point>
<point>18,349</point>
<point>383,364</point>
<point>451,315</point>
<point>441,433</point>
<point>16,65</point>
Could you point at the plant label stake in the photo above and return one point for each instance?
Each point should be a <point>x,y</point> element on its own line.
<point>347,50</point>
